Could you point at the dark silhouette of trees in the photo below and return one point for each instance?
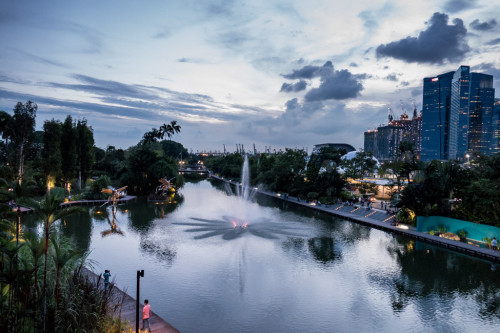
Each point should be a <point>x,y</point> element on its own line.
<point>22,132</point>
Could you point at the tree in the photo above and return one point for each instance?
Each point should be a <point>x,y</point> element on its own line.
<point>167,130</point>
<point>23,128</point>
<point>62,252</point>
<point>68,149</point>
<point>51,151</point>
<point>360,165</point>
<point>49,211</point>
<point>174,149</point>
<point>84,150</point>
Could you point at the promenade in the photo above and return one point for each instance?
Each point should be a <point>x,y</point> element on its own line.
<point>125,306</point>
<point>25,210</point>
<point>378,218</point>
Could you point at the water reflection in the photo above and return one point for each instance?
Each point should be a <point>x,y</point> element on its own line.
<point>324,249</point>
<point>79,228</point>
<point>427,271</point>
<point>142,213</point>
<point>103,214</point>
<point>230,227</point>
<point>162,251</point>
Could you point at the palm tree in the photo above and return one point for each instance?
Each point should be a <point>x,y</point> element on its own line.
<point>36,246</point>
<point>62,252</point>
<point>49,211</point>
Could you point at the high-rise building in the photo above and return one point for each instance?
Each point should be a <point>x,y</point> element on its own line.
<point>496,127</point>
<point>481,100</point>
<point>436,105</point>
<point>459,112</point>
<point>457,115</point>
<point>384,142</point>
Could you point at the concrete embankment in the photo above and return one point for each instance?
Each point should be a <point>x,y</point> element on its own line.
<point>380,219</point>
<point>126,308</point>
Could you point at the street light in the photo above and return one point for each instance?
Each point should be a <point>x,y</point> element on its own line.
<point>139,275</point>
<point>467,156</point>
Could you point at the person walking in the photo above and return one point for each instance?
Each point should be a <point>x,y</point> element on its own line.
<point>494,243</point>
<point>146,313</point>
<point>106,276</point>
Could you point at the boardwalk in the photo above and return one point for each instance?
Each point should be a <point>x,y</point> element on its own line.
<point>381,220</point>
<point>128,310</point>
<point>126,198</point>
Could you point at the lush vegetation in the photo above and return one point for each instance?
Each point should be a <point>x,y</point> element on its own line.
<point>42,284</point>
<point>43,287</point>
<point>318,177</point>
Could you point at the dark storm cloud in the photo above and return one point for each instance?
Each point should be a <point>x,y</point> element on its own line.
<point>293,87</point>
<point>306,72</point>
<point>483,26</point>
<point>494,41</point>
<point>437,43</point>
<point>335,84</point>
<point>455,6</point>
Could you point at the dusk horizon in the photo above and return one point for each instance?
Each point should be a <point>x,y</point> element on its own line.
<point>279,75</point>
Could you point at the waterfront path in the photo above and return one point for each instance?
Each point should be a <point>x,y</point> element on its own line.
<point>127,310</point>
<point>25,210</point>
<point>379,219</point>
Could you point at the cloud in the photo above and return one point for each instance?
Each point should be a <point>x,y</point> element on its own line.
<point>455,6</point>
<point>335,84</point>
<point>439,42</point>
<point>293,87</point>
<point>392,77</point>
<point>306,72</point>
<point>494,41</point>
<point>483,26</point>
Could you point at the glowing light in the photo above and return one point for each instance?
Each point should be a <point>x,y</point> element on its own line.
<point>401,226</point>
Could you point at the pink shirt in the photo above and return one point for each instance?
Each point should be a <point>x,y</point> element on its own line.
<point>146,311</point>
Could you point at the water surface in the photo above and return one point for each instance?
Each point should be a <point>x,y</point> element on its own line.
<point>288,269</point>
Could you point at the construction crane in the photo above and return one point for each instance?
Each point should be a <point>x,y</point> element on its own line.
<point>414,107</point>
<point>390,115</point>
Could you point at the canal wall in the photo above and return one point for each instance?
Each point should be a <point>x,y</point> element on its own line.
<point>474,231</point>
<point>124,306</point>
<point>379,219</point>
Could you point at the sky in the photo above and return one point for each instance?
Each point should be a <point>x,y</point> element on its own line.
<point>277,74</point>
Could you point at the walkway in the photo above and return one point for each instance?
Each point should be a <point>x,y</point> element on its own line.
<point>127,311</point>
<point>126,198</point>
<point>379,219</point>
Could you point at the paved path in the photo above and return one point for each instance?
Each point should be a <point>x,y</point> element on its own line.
<point>379,219</point>
<point>128,309</point>
<point>126,198</point>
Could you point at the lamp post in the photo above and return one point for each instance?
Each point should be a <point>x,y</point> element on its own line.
<point>467,156</point>
<point>139,275</point>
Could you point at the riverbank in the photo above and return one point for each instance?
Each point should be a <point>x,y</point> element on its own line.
<point>127,308</point>
<point>379,219</point>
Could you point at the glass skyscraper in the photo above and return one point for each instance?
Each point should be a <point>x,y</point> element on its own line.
<point>457,115</point>
<point>436,105</point>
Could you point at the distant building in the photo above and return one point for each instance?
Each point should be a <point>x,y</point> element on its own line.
<point>457,115</point>
<point>345,146</point>
<point>384,142</point>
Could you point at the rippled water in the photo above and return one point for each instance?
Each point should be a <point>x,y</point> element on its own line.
<point>289,269</point>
